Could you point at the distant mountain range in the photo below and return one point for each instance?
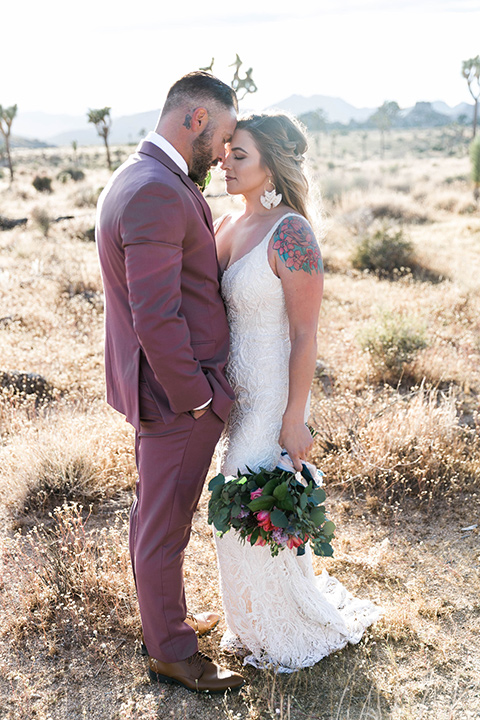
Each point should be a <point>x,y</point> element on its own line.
<point>64,129</point>
<point>338,110</point>
<point>61,130</point>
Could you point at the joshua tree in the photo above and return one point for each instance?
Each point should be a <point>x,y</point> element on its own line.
<point>364,137</point>
<point>246,83</point>
<point>75,148</point>
<point>475,159</point>
<point>236,76</point>
<point>471,73</point>
<point>383,119</point>
<point>208,68</point>
<point>315,120</point>
<point>333,142</point>
<point>103,122</point>
<point>6,118</point>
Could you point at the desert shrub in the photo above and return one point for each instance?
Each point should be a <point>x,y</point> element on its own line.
<point>42,219</point>
<point>55,160</point>
<point>42,183</point>
<point>467,208</point>
<point>65,456</point>
<point>61,477</point>
<point>400,186</point>
<point>17,411</point>
<point>89,234</point>
<point>87,197</point>
<point>455,179</point>
<point>74,582</point>
<point>23,384</point>
<point>384,251</point>
<point>392,206</point>
<point>392,344</point>
<point>395,446</point>
<point>88,290</point>
<point>74,174</point>
<point>448,201</point>
<point>79,282</point>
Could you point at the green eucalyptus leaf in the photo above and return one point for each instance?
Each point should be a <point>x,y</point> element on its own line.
<point>216,492</point>
<point>317,517</point>
<point>327,549</point>
<point>270,486</point>
<point>221,525</point>
<point>319,495</point>
<point>281,491</point>
<point>218,480</point>
<point>254,536</point>
<point>223,514</point>
<point>279,519</point>
<point>261,503</point>
<point>286,504</point>
<point>328,528</point>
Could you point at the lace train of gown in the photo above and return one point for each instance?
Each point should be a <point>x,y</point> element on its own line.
<point>277,611</point>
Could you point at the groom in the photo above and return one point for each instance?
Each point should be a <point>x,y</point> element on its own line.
<point>166,349</point>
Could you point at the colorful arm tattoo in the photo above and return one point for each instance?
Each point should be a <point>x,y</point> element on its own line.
<point>296,245</point>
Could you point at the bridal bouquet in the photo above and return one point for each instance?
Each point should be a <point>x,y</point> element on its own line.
<point>272,507</point>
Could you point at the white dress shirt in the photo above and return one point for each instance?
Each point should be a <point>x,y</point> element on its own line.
<point>168,148</point>
<point>179,160</point>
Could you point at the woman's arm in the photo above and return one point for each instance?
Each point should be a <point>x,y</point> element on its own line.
<point>298,264</point>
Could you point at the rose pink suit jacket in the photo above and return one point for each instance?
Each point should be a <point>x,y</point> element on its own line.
<point>164,317</point>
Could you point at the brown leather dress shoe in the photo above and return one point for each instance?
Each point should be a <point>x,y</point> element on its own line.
<point>203,623</point>
<point>197,673</point>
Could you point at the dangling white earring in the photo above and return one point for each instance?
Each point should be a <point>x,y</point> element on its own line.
<point>270,199</point>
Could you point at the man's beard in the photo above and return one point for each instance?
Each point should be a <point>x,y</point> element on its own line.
<point>202,159</point>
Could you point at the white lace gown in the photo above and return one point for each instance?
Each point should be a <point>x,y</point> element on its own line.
<point>278,613</point>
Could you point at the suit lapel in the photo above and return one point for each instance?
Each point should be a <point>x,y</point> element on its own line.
<point>148,148</point>
<point>206,210</point>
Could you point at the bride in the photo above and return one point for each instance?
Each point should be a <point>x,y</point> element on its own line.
<point>278,613</point>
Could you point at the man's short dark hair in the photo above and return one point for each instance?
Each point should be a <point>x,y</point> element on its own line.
<point>200,87</point>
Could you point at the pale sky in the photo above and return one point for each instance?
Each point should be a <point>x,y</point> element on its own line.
<point>65,57</point>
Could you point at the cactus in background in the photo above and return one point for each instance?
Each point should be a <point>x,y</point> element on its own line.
<point>7,115</point>
<point>475,160</point>
<point>103,122</point>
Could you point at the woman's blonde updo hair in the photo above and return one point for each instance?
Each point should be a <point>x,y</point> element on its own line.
<point>282,144</point>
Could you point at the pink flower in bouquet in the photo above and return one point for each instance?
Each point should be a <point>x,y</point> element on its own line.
<point>261,541</point>
<point>256,493</point>
<point>294,542</point>
<point>263,519</point>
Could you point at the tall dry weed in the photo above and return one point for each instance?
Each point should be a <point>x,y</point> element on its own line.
<point>65,455</point>
<point>69,583</point>
<point>396,446</point>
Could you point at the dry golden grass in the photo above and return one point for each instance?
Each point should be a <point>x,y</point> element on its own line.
<point>401,459</point>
